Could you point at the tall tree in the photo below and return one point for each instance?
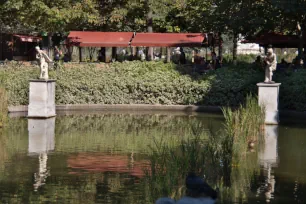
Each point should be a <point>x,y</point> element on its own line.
<point>293,12</point>
<point>245,17</point>
<point>51,16</point>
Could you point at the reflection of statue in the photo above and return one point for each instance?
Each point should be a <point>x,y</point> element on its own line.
<point>41,142</point>
<point>43,63</point>
<point>268,158</point>
<point>43,173</point>
<point>270,65</point>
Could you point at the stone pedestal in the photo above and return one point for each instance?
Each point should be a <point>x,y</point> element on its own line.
<point>42,99</point>
<point>268,98</point>
<point>41,135</point>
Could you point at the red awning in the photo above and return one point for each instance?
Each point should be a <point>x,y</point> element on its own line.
<point>100,39</point>
<point>168,39</point>
<point>26,38</point>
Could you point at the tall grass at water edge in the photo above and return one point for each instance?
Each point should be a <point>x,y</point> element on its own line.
<point>224,159</point>
<point>244,125</point>
<point>3,107</point>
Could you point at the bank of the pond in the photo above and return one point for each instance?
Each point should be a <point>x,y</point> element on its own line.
<point>151,83</point>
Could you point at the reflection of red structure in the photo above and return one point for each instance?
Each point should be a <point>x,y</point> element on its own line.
<point>93,162</point>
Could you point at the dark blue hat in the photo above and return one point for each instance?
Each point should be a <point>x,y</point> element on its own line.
<point>197,185</point>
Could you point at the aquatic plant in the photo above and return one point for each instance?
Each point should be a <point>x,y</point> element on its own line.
<point>243,125</point>
<point>222,157</point>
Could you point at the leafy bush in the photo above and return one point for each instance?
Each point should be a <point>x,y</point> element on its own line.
<point>292,91</point>
<point>152,83</point>
<point>243,58</point>
<point>135,83</point>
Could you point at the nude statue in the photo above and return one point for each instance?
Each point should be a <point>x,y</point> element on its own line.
<point>270,65</point>
<point>43,63</point>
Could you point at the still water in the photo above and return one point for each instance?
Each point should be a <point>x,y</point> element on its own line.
<point>106,158</point>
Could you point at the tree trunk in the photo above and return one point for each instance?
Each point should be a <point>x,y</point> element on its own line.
<point>1,46</point>
<point>134,53</point>
<point>50,53</point>
<point>150,28</point>
<point>235,42</point>
<point>220,46</point>
<point>168,54</point>
<point>114,53</point>
<point>301,41</point>
<point>80,54</point>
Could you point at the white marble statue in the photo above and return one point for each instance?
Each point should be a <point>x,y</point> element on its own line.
<point>43,63</point>
<point>270,65</point>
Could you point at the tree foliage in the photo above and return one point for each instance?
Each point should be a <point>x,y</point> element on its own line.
<point>50,16</point>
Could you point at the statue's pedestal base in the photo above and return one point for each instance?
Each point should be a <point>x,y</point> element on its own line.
<point>42,99</point>
<point>268,94</point>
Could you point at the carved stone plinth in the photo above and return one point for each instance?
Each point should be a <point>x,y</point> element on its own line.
<point>42,99</point>
<point>268,94</point>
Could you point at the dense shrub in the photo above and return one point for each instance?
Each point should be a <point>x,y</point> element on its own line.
<point>150,83</point>
<point>137,83</point>
<point>292,90</point>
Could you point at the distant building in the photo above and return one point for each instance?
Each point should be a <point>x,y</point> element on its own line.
<point>18,47</point>
<point>249,48</point>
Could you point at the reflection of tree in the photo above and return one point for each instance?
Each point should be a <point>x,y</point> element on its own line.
<point>12,140</point>
<point>125,132</point>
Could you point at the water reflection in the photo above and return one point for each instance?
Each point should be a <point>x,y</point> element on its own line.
<point>99,158</point>
<point>268,158</point>
<point>41,142</point>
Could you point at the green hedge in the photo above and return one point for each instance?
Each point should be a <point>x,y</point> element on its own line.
<point>149,83</point>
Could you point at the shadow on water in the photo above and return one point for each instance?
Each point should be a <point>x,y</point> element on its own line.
<point>137,158</point>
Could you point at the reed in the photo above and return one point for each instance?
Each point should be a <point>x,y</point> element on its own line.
<point>3,107</point>
<point>244,125</point>
<point>222,157</point>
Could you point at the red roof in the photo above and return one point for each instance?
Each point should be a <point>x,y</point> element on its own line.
<point>26,38</point>
<point>168,39</point>
<point>100,39</point>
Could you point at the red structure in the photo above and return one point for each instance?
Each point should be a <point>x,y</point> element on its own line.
<point>169,40</point>
<point>133,40</point>
<point>100,39</point>
<point>106,163</point>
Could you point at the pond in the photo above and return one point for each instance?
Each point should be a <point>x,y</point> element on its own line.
<point>108,158</point>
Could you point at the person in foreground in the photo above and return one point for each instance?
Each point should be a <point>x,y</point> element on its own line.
<point>198,192</point>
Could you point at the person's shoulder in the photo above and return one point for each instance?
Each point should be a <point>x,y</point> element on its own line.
<point>190,200</point>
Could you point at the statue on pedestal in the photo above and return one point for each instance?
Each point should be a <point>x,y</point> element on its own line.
<point>270,65</point>
<point>43,63</point>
